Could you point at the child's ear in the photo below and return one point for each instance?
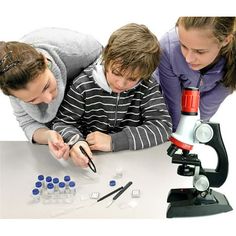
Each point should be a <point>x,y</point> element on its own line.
<point>227,40</point>
<point>45,59</point>
<point>47,62</point>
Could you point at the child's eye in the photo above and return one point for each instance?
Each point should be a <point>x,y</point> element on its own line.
<point>115,72</point>
<point>200,52</point>
<point>47,87</point>
<point>183,46</point>
<point>133,79</point>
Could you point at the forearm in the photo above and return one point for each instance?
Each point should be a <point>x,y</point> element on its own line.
<point>40,136</point>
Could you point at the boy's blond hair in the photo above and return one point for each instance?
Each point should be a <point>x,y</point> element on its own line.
<point>132,47</point>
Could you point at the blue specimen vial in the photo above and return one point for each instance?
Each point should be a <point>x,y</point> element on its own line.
<point>41,179</point>
<point>67,180</point>
<point>48,180</point>
<point>39,185</point>
<point>55,182</point>
<point>62,187</point>
<point>72,187</point>
<point>36,194</point>
<point>50,188</point>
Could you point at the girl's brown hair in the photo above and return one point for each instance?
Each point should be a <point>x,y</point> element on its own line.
<point>20,63</point>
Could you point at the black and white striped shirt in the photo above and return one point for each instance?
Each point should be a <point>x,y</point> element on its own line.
<point>135,119</point>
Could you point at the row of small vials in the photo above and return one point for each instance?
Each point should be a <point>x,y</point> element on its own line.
<point>48,189</point>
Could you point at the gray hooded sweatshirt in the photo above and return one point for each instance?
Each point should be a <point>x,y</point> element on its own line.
<point>69,52</point>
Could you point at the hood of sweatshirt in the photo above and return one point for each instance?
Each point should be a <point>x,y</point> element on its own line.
<point>100,78</point>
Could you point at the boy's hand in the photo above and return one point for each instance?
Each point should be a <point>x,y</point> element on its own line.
<point>56,145</point>
<point>99,141</point>
<point>78,157</point>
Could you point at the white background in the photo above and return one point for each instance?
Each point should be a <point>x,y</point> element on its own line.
<point>100,18</point>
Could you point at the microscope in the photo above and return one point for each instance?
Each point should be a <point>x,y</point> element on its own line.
<point>200,200</point>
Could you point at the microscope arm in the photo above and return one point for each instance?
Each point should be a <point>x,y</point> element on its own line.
<point>217,176</point>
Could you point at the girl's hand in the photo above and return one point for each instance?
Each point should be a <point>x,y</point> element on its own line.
<point>56,145</point>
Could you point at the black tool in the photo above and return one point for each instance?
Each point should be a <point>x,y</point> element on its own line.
<point>119,193</point>
<point>109,194</point>
<point>90,163</point>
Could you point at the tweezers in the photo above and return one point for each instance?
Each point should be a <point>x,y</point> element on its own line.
<point>120,190</point>
<point>90,163</point>
<point>72,142</point>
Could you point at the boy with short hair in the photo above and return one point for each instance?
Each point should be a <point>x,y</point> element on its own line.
<point>115,104</point>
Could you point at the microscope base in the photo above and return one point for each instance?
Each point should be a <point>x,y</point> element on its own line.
<point>188,202</point>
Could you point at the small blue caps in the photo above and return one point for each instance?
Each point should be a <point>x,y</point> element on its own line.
<point>112,183</point>
<point>62,185</point>
<point>48,179</point>
<point>35,192</point>
<point>55,180</point>
<point>71,184</point>
<point>67,178</point>
<point>50,186</point>
<point>40,177</point>
<point>38,184</point>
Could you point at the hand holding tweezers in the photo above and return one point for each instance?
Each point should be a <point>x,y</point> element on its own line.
<point>90,163</point>
<point>72,142</point>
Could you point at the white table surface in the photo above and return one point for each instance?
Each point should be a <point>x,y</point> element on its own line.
<point>150,170</point>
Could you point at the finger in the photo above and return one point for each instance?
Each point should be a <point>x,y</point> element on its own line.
<point>52,150</point>
<point>78,157</point>
<point>93,147</point>
<point>60,153</point>
<point>88,151</point>
<point>90,139</point>
<point>89,135</point>
<point>56,139</point>
<point>50,145</point>
<point>66,154</point>
<point>55,145</point>
<point>84,158</point>
<point>55,155</point>
<point>59,143</point>
<point>79,162</point>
